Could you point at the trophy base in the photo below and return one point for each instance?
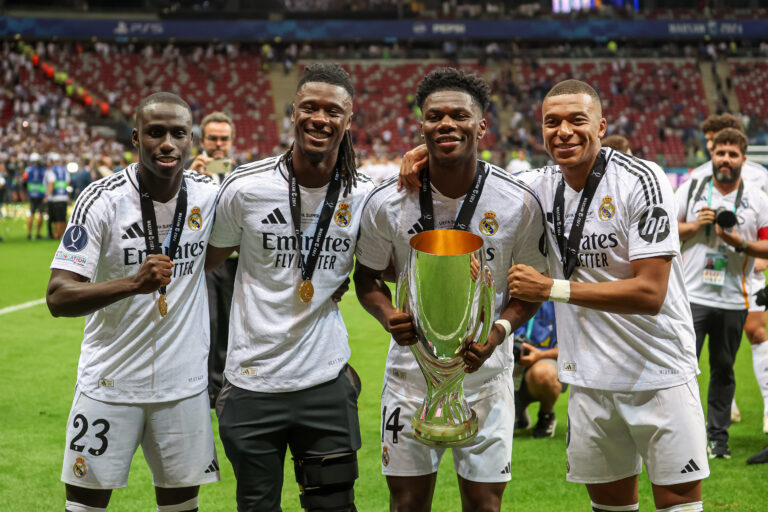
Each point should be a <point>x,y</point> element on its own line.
<point>445,436</point>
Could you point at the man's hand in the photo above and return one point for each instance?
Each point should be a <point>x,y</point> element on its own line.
<point>529,355</point>
<point>400,326</point>
<point>341,290</point>
<point>413,162</point>
<point>526,283</point>
<point>199,163</point>
<point>729,236</point>
<point>705,217</point>
<point>155,271</point>
<point>475,355</point>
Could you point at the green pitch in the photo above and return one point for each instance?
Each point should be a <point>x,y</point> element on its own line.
<point>38,363</point>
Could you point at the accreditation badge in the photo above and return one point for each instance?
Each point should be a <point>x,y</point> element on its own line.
<point>714,268</point>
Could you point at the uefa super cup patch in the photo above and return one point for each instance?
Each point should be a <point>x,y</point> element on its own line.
<point>79,468</point>
<point>195,220</point>
<point>75,238</point>
<point>489,225</point>
<point>343,216</point>
<point>606,210</point>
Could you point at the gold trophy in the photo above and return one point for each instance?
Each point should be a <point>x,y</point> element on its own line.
<point>450,302</point>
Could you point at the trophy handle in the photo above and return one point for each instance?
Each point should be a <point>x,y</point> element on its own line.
<point>486,307</point>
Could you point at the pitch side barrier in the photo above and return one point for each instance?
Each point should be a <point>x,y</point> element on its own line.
<point>296,30</point>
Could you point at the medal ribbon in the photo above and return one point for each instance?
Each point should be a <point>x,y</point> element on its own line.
<point>148,219</point>
<point>569,249</point>
<point>467,209</point>
<point>329,205</point>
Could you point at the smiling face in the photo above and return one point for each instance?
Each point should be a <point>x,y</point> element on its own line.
<point>163,137</point>
<point>572,127</point>
<point>452,123</point>
<point>322,113</point>
<point>217,139</point>
<point>727,160</point>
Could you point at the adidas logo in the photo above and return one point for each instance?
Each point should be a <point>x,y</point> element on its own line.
<point>212,467</point>
<point>690,467</point>
<point>416,228</point>
<point>507,469</point>
<point>274,218</point>
<point>133,231</point>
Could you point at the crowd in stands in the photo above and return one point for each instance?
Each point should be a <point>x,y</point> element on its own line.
<point>657,104</point>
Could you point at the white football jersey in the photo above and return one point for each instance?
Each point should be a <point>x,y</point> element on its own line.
<point>510,220</point>
<point>706,251</point>
<point>752,173</point>
<point>631,217</point>
<point>130,354</point>
<point>278,343</point>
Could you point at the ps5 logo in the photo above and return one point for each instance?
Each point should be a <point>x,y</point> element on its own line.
<point>75,239</point>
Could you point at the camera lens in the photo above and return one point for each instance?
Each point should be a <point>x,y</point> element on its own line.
<point>725,218</point>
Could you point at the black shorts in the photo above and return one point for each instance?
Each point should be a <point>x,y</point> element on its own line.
<point>256,428</point>
<point>57,211</point>
<point>35,205</point>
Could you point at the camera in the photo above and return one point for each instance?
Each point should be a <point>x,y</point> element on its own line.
<point>725,218</point>
<point>761,297</point>
<point>517,346</point>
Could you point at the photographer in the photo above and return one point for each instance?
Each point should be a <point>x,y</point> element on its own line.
<point>218,131</point>
<point>535,349</point>
<point>723,225</point>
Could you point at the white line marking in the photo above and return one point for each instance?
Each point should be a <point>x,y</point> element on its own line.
<point>25,305</point>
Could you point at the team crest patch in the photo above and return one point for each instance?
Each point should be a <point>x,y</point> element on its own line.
<point>489,225</point>
<point>607,210</point>
<point>343,216</point>
<point>195,220</point>
<point>385,456</point>
<point>79,468</point>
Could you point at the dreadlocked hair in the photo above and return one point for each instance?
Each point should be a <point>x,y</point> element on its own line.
<point>346,161</point>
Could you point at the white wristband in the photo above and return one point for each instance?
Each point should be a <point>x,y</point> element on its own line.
<point>504,325</point>
<point>561,291</point>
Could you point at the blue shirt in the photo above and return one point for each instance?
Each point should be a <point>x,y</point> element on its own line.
<point>35,178</point>
<point>543,334</point>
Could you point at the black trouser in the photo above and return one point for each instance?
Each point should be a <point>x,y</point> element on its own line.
<point>221,284</point>
<point>256,428</point>
<point>724,327</point>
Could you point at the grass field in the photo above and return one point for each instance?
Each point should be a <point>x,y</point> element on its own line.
<point>38,362</point>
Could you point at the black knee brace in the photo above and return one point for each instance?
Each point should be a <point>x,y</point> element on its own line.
<point>326,482</point>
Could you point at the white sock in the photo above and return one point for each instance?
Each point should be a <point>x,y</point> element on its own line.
<point>696,506</point>
<point>190,504</point>
<point>616,508</point>
<point>760,365</point>
<point>71,506</point>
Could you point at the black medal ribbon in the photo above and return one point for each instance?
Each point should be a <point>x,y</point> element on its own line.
<point>467,209</point>
<point>329,205</point>
<point>569,249</point>
<point>148,219</point>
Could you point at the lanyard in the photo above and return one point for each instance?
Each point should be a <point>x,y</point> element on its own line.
<point>331,197</point>
<point>148,219</point>
<point>736,203</point>
<point>569,249</point>
<point>467,209</point>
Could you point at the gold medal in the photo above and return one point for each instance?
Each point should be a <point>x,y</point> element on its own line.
<point>306,291</point>
<point>162,305</point>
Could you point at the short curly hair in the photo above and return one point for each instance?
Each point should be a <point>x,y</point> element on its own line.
<point>717,122</point>
<point>731,136</point>
<point>329,73</point>
<point>451,79</point>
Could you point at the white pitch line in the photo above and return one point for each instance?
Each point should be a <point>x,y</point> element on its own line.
<point>25,305</point>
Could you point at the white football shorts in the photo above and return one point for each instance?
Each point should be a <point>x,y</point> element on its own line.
<point>485,459</point>
<point>610,434</point>
<point>176,438</point>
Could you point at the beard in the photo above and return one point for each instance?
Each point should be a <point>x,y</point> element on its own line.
<point>728,177</point>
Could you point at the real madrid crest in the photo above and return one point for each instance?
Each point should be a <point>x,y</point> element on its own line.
<point>384,456</point>
<point>79,468</point>
<point>343,216</point>
<point>489,225</point>
<point>606,210</point>
<point>195,220</point>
